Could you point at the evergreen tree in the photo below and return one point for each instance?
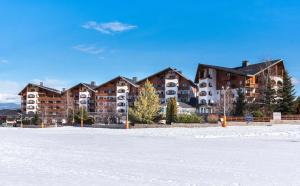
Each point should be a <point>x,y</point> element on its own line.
<point>146,106</point>
<point>286,95</point>
<point>85,115</point>
<point>296,106</point>
<point>36,119</point>
<point>171,111</point>
<point>240,103</point>
<point>269,100</point>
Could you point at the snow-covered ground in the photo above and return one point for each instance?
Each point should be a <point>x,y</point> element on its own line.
<point>265,155</point>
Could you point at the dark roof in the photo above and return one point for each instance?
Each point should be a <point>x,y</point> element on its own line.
<point>89,86</point>
<point>249,70</point>
<point>121,77</point>
<point>256,68</point>
<point>167,69</point>
<point>42,87</point>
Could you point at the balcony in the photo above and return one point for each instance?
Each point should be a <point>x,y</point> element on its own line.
<point>121,91</point>
<point>83,95</point>
<point>31,96</point>
<point>121,97</point>
<point>171,84</point>
<point>171,92</point>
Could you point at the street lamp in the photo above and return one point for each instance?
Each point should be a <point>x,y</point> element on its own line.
<point>224,124</point>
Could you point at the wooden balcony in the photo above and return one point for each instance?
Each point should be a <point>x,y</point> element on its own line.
<point>51,99</point>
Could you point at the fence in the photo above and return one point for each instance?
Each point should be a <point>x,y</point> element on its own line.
<point>290,117</point>
<point>243,119</point>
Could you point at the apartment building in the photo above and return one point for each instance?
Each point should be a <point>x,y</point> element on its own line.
<point>82,95</point>
<point>112,98</point>
<point>171,83</point>
<point>250,78</point>
<point>49,103</point>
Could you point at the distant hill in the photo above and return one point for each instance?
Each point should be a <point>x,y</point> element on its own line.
<point>9,106</point>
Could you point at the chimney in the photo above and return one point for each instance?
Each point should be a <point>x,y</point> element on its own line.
<point>245,63</point>
<point>134,79</point>
<point>93,83</point>
<point>63,89</point>
<point>41,84</point>
<point>179,71</point>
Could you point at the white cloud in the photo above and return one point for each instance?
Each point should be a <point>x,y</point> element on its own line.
<point>52,83</point>
<point>109,28</point>
<point>9,92</point>
<point>3,61</point>
<point>9,89</point>
<point>89,49</point>
<point>9,98</point>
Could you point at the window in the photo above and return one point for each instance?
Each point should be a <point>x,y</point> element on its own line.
<point>121,91</point>
<point>228,74</point>
<point>121,104</point>
<point>82,95</point>
<point>121,97</point>
<point>31,96</point>
<point>83,102</point>
<point>202,85</point>
<point>31,101</point>
<point>209,93</point>
<point>121,110</point>
<point>184,85</point>
<point>171,92</point>
<point>203,93</point>
<point>30,107</point>
<point>171,84</point>
<point>210,84</point>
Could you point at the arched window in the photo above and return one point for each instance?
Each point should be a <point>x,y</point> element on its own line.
<point>82,95</point>
<point>30,107</point>
<point>121,110</point>
<point>202,85</point>
<point>171,84</point>
<point>203,93</point>
<point>31,96</point>
<point>31,101</point>
<point>83,102</point>
<point>121,104</point>
<point>121,97</point>
<point>171,92</point>
<point>121,91</point>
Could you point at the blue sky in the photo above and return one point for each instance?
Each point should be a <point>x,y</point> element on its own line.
<point>66,42</point>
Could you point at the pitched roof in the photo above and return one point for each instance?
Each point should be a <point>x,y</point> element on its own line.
<point>42,87</point>
<point>87,85</point>
<point>167,69</point>
<point>256,68</point>
<point>249,70</point>
<point>130,81</point>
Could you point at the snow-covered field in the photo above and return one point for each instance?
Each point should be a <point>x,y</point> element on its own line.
<point>266,155</point>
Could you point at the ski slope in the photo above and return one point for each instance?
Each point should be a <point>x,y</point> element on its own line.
<point>256,155</point>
